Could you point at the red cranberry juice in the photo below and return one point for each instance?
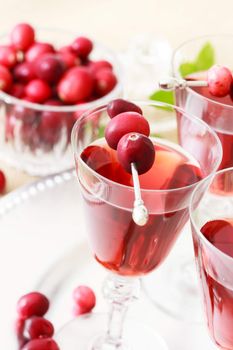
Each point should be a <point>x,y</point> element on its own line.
<point>118,243</point>
<point>218,297</point>
<point>218,115</point>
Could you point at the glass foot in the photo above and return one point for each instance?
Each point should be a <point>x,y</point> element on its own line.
<point>87,333</point>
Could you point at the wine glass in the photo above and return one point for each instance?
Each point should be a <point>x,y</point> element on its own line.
<point>216,111</point>
<point>126,250</point>
<point>190,60</point>
<point>213,245</point>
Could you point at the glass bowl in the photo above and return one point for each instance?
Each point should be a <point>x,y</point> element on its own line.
<point>39,148</point>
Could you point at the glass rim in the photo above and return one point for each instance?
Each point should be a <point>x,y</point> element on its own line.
<point>117,66</point>
<point>88,113</point>
<point>193,220</point>
<point>175,71</point>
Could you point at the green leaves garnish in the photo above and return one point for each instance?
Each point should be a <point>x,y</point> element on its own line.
<point>204,60</point>
<point>163,96</point>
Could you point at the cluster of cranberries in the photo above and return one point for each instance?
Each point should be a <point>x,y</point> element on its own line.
<point>40,73</point>
<point>33,331</point>
<point>220,81</point>
<point>127,133</point>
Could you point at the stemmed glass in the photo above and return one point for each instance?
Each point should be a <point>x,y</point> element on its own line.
<point>215,266</point>
<point>218,113</point>
<point>127,250</point>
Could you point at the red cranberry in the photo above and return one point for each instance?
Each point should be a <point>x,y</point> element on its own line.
<point>2,182</point>
<point>51,123</point>
<point>95,66</point>
<point>136,148</point>
<point>22,36</point>
<point>119,105</point>
<point>49,67</point>
<point>69,59</point>
<point>39,327</point>
<point>76,85</point>
<point>24,72</point>
<point>123,124</point>
<point>219,81</point>
<point>32,304</point>
<point>25,114</point>
<point>84,298</point>
<point>41,344</point>
<point>17,90</point>
<point>38,90</point>
<point>105,80</point>
<point>38,49</point>
<point>5,79</point>
<point>82,46</point>
<point>8,56</point>
<point>19,326</point>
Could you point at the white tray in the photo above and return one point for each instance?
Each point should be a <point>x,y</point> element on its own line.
<point>43,247</point>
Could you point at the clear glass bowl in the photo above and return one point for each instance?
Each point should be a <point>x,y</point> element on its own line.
<point>24,142</point>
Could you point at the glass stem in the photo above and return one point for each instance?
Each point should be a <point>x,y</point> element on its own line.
<point>119,292</point>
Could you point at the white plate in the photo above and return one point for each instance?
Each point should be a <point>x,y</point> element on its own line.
<point>43,247</point>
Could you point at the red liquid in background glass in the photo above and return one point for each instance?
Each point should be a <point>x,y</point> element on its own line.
<point>118,243</point>
<point>215,112</point>
<point>217,297</point>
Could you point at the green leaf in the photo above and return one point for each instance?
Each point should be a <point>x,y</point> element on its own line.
<point>204,60</point>
<point>163,96</point>
<point>206,57</point>
<point>187,68</point>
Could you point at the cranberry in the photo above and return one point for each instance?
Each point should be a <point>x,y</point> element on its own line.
<point>82,46</point>
<point>124,123</point>
<point>105,80</point>
<point>19,326</point>
<point>41,344</point>
<point>8,56</point>
<point>119,105</point>
<point>84,298</point>
<point>22,36</point>
<point>219,81</point>
<point>51,123</point>
<point>5,79</point>
<point>2,182</point>
<point>25,114</point>
<point>38,90</point>
<point>38,49</point>
<point>136,148</point>
<point>76,85</point>
<point>17,90</point>
<point>24,72</point>
<point>49,67</point>
<point>95,66</point>
<point>39,327</point>
<point>69,59</point>
<point>32,304</point>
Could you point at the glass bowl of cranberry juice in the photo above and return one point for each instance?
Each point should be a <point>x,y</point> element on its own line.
<point>216,111</point>
<point>35,137</point>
